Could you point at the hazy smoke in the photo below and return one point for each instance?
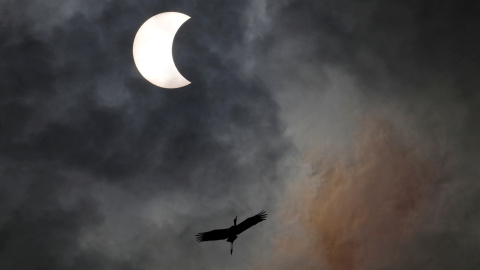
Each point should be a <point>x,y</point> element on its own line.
<point>379,99</point>
<point>363,211</point>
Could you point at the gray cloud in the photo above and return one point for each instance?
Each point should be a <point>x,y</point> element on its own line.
<point>102,170</point>
<point>332,65</point>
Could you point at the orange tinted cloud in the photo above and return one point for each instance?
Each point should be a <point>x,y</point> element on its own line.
<point>361,212</point>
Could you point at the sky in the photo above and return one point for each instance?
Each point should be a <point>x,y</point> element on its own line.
<point>354,124</point>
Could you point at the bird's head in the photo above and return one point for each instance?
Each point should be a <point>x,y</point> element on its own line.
<point>235,221</point>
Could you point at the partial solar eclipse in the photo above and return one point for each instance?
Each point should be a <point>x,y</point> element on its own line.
<point>152,50</point>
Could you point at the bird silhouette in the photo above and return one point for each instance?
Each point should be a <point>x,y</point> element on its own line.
<point>231,233</point>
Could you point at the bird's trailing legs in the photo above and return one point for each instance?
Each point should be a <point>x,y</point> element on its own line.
<point>231,239</point>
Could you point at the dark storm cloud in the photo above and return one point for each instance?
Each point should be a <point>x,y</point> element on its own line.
<point>102,170</point>
<point>77,97</point>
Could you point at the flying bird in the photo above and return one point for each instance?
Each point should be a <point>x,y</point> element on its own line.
<point>231,233</point>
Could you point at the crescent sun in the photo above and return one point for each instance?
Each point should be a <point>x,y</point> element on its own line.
<point>152,50</point>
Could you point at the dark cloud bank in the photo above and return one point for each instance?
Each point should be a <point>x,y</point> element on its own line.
<point>354,124</point>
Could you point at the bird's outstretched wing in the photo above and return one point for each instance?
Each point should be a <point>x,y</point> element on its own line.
<point>212,235</point>
<point>249,222</point>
